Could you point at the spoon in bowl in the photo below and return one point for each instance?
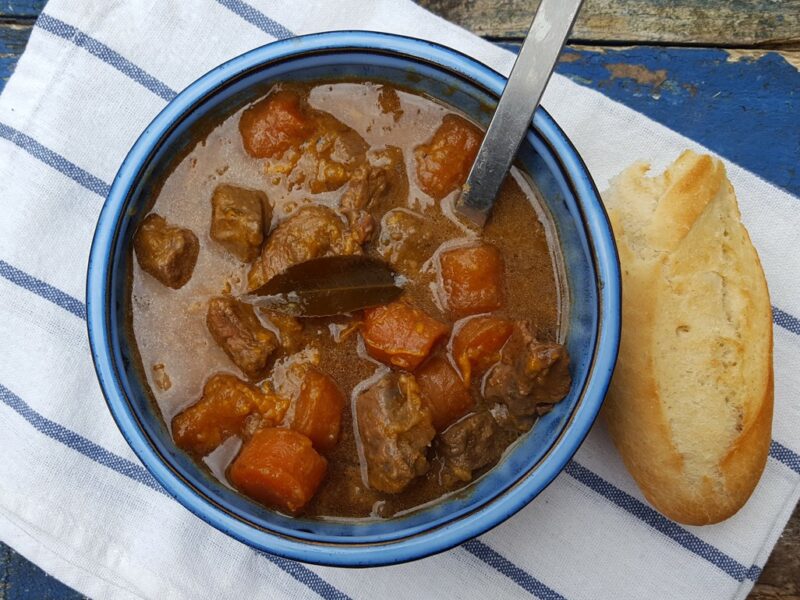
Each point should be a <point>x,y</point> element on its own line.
<point>512,118</point>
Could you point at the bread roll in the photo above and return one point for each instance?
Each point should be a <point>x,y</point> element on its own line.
<point>690,403</point>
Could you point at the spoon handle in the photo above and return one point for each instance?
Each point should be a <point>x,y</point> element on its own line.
<point>521,96</point>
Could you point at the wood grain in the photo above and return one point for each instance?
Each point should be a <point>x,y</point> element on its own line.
<point>13,38</point>
<point>768,23</point>
<point>21,9</point>
<point>780,579</point>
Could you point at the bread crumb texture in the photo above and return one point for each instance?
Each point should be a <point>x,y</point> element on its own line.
<point>690,404</point>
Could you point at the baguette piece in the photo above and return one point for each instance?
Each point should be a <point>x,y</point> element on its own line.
<point>690,403</point>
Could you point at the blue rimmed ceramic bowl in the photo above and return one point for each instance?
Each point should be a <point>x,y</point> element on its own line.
<point>590,261</point>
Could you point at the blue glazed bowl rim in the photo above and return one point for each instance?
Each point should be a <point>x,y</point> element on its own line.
<point>602,247</point>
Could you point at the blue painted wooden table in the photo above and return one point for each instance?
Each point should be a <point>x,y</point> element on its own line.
<point>735,102</point>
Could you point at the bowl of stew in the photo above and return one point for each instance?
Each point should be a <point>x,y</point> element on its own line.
<point>350,436</point>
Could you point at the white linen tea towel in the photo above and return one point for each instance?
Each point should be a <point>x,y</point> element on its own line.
<point>74,498</point>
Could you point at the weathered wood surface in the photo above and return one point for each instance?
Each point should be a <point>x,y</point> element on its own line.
<point>780,579</point>
<point>12,42</point>
<point>727,23</point>
<point>21,9</point>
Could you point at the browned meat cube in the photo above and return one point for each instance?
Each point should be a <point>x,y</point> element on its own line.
<point>407,240</point>
<point>371,183</point>
<point>330,157</point>
<point>236,328</point>
<point>469,444</point>
<point>223,411</point>
<point>530,377</point>
<point>165,251</point>
<point>238,218</point>
<point>311,232</point>
<point>394,426</point>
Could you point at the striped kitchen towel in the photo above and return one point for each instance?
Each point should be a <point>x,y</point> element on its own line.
<point>74,498</point>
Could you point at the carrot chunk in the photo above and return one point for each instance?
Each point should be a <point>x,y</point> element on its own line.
<point>222,411</point>
<point>275,124</point>
<point>279,468</point>
<point>472,279</point>
<point>400,335</point>
<point>445,393</point>
<point>444,162</point>
<point>477,345</point>
<point>318,410</point>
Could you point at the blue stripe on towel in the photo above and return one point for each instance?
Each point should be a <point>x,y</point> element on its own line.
<point>786,320</point>
<point>660,523</point>
<point>257,18</point>
<point>787,456</point>
<point>510,570</point>
<point>45,290</point>
<point>79,443</point>
<point>106,54</point>
<point>55,160</point>
<point>141,475</point>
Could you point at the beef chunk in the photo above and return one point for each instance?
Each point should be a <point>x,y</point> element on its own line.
<point>443,163</point>
<point>223,411</point>
<point>366,184</point>
<point>406,240</point>
<point>469,444</point>
<point>165,251</point>
<point>375,181</point>
<point>238,218</point>
<point>330,157</point>
<point>311,232</point>
<point>236,328</point>
<point>530,377</point>
<point>394,426</point>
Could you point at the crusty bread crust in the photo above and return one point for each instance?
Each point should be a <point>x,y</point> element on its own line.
<point>690,403</point>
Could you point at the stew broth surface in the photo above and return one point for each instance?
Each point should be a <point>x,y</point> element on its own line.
<point>178,354</point>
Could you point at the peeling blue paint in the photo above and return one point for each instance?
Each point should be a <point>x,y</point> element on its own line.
<point>747,111</point>
<point>22,580</point>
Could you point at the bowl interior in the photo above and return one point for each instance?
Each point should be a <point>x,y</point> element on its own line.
<point>539,161</point>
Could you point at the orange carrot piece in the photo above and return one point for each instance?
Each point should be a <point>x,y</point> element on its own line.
<point>279,468</point>
<point>477,345</point>
<point>318,410</point>
<point>472,278</point>
<point>445,393</point>
<point>400,335</point>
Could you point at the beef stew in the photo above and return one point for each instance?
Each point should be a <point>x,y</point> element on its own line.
<point>373,412</point>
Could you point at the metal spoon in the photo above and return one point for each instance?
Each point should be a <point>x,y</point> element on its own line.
<point>529,76</point>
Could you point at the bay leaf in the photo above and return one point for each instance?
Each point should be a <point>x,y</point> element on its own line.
<point>332,285</point>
